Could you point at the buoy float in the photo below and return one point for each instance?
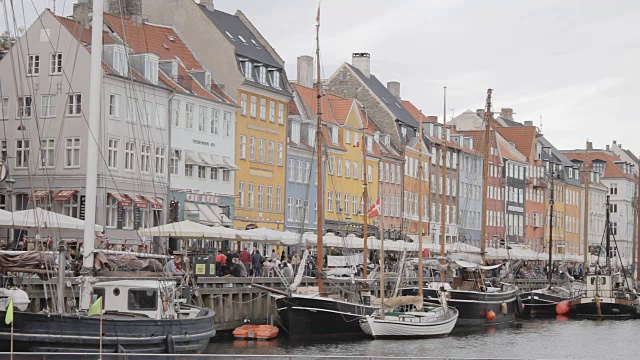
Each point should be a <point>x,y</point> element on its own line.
<point>504,309</point>
<point>491,315</point>
<point>562,308</point>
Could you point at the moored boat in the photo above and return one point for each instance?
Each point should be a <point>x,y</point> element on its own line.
<point>436,322</point>
<point>256,332</point>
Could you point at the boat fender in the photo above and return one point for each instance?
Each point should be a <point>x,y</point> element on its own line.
<point>120,349</point>
<point>562,308</point>
<point>504,308</point>
<point>520,308</point>
<point>170,345</point>
<point>491,315</point>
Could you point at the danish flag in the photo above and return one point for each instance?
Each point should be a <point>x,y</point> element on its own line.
<point>374,210</point>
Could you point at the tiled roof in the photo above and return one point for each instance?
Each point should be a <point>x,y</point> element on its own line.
<point>234,26</point>
<point>80,32</point>
<point>293,108</point>
<point>509,151</point>
<point>524,138</point>
<point>309,99</point>
<point>386,98</point>
<point>611,170</point>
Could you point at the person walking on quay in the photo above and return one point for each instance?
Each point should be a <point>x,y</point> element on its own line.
<point>256,263</point>
<point>295,260</point>
<point>221,263</point>
<point>245,258</point>
<point>174,266</point>
<point>287,271</point>
<point>274,255</point>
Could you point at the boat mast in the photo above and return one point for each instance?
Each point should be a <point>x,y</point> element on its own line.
<point>488,116</point>
<point>381,261</point>
<point>635,224</point>
<point>586,214</point>
<point>320,193</point>
<point>95,91</point>
<point>551,201</point>
<point>365,197</point>
<point>443,158</point>
<point>607,229</point>
<point>420,209</point>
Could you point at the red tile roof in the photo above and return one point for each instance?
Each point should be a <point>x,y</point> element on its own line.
<point>611,170</point>
<point>309,98</point>
<point>524,138</point>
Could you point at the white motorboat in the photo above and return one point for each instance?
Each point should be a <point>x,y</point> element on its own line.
<point>434,322</point>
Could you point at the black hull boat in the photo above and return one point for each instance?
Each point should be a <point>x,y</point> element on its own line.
<point>610,308</point>
<point>474,306</point>
<point>544,304</point>
<point>41,332</point>
<point>305,316</point>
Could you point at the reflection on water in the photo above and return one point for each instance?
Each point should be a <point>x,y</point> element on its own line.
<point>555,338</point>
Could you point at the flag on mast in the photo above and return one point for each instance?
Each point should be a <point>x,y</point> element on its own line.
<point>375,209</point>
<point>8,317</point>
<point>318,16</point>
<point>96,308</point>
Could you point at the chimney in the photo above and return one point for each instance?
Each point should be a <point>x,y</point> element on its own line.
<point>480,113</point>
<point>81,12</point>
<point>614,142</point>
<point>528,123</point>
<point>589,145</point>
<point>305,71</point>
<point>394,89</point>
<point>362,62</point>
<point>432,119</point>
<point>507,113</point>
<point>607,147</point>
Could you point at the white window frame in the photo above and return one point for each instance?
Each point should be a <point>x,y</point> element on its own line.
<point>55,63</point>
<point>72,147</point>
<point>48,106</point>
<point>202,118</point>
<point>243,147</point>
<point>47,153</point>
<point>252,107</point>
<point>4,108</point>
<point>272,111</point>
<point>189,115</point>
<point>161,116</point>
<point>114,105</point>
<point>33,65</point>
<point>113,146</point>
<point>145,158</point>
<point>24,110</point>
<point>161,156</point>
<point>243,104</point>
<point>280,114</point>
<point>215,121</point>
<point>74,104</point>
<point>129,155</point>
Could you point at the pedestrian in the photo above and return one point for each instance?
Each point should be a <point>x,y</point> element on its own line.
<point>287,271</point>
<point>274,254</point>
<point>295,260</point>
<point>256,263</point>
<point>221,263</point>
<point>174,266</point>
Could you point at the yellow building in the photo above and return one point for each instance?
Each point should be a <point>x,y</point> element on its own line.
<point>261,155</point>
<point>572,214</point>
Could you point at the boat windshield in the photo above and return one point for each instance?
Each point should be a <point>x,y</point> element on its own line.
<point>143,299</point>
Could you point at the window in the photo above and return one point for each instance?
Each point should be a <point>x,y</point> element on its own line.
<point>280,154</point>
<point>112,156</point>
<point>300,172</point>
<point>132,109</point>
<point>355,170</point>
<point>307,172</point>
<point>4,108</point>
<point>346,203</point>
<point>295,132</point>
<point>252,109</point>
<point>369,173</point>
<point>202,172</point>
<point>275,79</point>
<point>25,104</point>
<point>260,197</point>
<point>72,152</point>
<point>339,167</point>
<point>161,116</point>
<point>147,112</point>
<point>33,67</point>
<point>189,112</point>
<point>71,207</point>
<point>329,201</point>
<point>281,114</point>
<point>613,189</point>
<point>174,162</point>
<point>202,119</point>
<point>252,149</point>
<point>142,299</point>
<point>290,207</point>
<point>347,168</point>
<point>129,155</point>
<point>354,209</point>
<point>160,159</point>
<point>241,194</point>
<point>3,150</point>
<point>145,158</point>
<point>112,212</point>
<point>278,199</point>
<point>248,68</point>
<point>48,106</point>
<point>269,198</point>
<point>272,111</point>
<point>613,208</point>
<point>226,124</point>
<point>614,228</point>
<point>214,174</point>
<point>188,170</point>
<point>347,137</point>
<point>292,170</point>
<point>215,121</point>
<point>114,105</point>
<point>250,194</point>
<point>243,104</point>
<point>271,152</point>
<point>74,104</point>
<point>262,75</point>
<point>120,61</point>
<point>243,147</point>
<point>55,64</point>
<point>263,145</point>
<point>151,69</point>
<point>334,135</point>
<point>47,153</point>
<point>175,112</point>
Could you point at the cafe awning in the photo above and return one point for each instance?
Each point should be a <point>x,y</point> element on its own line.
<point>191,158</point>
<point>64,195</point>
<point>154,201</point>
<point>123,199</point>
<point>229,163</point>
<point>138,201</point>
<point>39,195</point>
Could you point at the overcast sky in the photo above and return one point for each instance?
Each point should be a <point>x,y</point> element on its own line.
<point>573,63</point>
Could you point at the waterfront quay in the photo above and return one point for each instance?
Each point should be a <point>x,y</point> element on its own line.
<point>236,300</point>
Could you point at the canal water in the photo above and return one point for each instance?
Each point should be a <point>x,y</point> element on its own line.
<point>534,339</point>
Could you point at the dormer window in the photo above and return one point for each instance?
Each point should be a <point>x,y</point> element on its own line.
<point>255,43</point>
<point>262,75</point>
<point>312,136</point>
<point>275,79</point>
<point>387,140</point>
<point>369,143</point>
<point>151,68</point>
<point>403,130</point>
<point>207,80</point>
<point>120,62</point>
<point>230,36</point>
<point>334,135</point>
<point>248,68</point>
<point>295,132</point>
<point>598,167</point>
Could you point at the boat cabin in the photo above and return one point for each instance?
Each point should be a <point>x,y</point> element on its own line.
<point>149,298</point>
<point>602,285</point>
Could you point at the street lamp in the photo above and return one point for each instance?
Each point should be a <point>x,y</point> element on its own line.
<point>10,181</point>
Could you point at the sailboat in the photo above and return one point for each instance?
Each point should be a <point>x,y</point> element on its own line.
<point>433,321</point>
<point>608,294</point>
<point>315,313</point>
<point>479,303</point>
<point>552,300</point>
<point>144,316</point>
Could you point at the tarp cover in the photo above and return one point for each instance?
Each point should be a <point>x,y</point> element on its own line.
<point>131,262</point>
<point>27,259</point>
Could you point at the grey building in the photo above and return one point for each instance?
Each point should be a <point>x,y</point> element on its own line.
<point>470,191</point>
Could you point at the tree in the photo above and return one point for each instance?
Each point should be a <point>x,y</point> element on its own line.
<point>7,39</point>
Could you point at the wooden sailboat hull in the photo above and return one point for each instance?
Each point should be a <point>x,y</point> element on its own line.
<point>474,306</point>
<point>540,305</point>
<point>39,332</point>
<point>393,328</point>
<point>303,316</point>
<point>611,308</point>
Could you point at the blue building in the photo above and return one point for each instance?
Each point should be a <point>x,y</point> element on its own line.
<point>470,191</point>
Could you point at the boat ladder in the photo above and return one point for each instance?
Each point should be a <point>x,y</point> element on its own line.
<point>282,278</point>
